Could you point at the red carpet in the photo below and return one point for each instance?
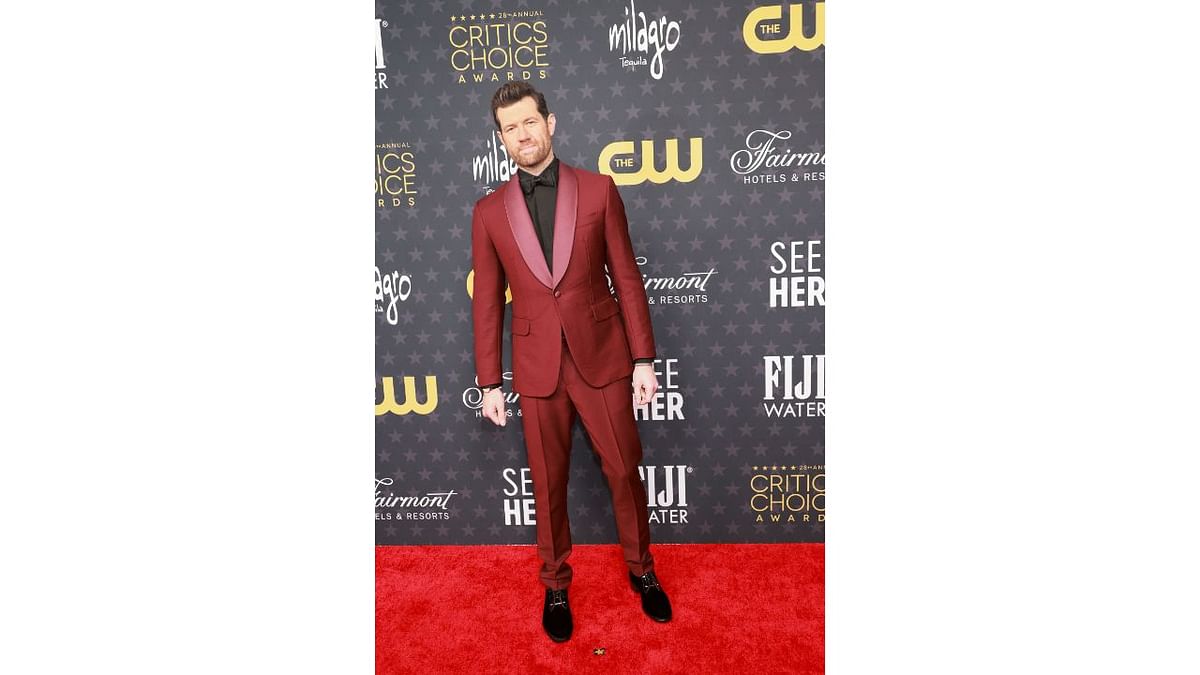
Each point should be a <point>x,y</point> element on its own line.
<point>738,608</point>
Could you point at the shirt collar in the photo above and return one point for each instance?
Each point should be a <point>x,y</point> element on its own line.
<point>550,170</point>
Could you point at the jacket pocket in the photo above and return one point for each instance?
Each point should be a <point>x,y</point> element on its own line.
<point>605,308</point>
<point>520,326</point>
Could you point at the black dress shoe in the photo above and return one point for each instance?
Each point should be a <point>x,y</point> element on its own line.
<point>556,615</point>
<point>654,599</point>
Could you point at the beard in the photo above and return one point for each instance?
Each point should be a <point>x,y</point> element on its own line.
<point>536,156</point>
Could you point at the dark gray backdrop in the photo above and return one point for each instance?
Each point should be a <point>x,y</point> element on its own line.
<point>730,238</point>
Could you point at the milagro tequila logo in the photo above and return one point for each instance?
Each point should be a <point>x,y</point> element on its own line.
<point>766,153</point>
<point>791,389</point>
<point>666,494</point>
<point>380,76</point>
<point>429,506</point>
<point>389,289</point>
<point>647,36</point>
<point>494,165</point>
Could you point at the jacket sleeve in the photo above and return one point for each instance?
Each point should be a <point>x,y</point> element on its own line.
<point>627,278</point>
<point>487,302</point>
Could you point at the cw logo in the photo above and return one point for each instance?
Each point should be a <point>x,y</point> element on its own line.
<point>776,43</point>
<point>410,403</point>
<point>471,288</point>
<point>621,153</point>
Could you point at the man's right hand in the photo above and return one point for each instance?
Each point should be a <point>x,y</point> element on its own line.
<point>493,406</point>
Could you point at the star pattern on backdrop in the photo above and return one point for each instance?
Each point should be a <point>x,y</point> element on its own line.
<point>713,87</point>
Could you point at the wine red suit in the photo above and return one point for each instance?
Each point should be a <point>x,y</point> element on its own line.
<point>573,346</point>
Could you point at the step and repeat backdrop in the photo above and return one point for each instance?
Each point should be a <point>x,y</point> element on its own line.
<point>710,119</point>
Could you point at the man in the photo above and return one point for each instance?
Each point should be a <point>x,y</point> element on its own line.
<point>548,233</point>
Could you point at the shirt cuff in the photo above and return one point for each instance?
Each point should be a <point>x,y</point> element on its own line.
<point>488,386</point>
<point>643,360</point>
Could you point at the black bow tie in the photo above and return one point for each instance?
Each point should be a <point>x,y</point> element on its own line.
<point>529,182</point>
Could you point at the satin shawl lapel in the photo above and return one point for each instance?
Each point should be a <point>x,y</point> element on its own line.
<point>564,219</point>
<point>523,231</point>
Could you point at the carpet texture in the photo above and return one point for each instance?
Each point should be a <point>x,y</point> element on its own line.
<point>737,608</point>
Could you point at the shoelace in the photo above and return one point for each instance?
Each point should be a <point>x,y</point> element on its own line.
<point>649,581</point>
<point>558,597</point>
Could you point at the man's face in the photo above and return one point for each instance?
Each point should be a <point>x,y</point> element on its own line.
<point>526,136</point>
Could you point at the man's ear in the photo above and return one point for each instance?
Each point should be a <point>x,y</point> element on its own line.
<point>551,121</point>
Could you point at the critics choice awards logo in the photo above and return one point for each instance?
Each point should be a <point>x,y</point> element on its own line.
<point>765,32</point>
<point>641,36</point>
<point>428,506</point>
<point>797,276</point>
<point>498,46</point>
<point>794,386</point>
<point>389,289</point>
<point>409,400</point>
<point>632,165</point>
<point>666,494</point>
<point>395,175</point>
<point>766,154</point>
<point>788,493</point>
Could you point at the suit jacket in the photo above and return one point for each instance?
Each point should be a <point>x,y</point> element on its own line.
<point>603,333</point>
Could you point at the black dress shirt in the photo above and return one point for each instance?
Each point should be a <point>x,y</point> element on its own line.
<point>541,196</point>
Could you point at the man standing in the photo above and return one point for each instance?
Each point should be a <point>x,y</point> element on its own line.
<point>548,233</point>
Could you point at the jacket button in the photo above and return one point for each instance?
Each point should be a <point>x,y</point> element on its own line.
<point>557,294</point>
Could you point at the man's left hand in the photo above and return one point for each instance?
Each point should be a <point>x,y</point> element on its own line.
<point>645,383</point>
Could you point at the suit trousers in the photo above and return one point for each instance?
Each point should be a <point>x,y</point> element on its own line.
<point>607,416</point>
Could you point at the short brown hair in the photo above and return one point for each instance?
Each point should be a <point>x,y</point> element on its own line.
<point>511,92</point>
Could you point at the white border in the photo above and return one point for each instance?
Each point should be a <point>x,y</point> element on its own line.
<point>188,342</point>
<point>1011,338</point>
